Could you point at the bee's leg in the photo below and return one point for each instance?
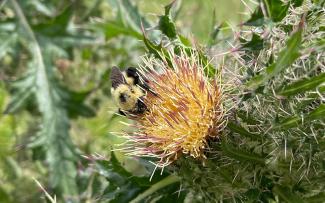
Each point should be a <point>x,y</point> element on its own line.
<point>121,112</point>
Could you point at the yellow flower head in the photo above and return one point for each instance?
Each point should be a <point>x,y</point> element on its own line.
<point>185,112</point>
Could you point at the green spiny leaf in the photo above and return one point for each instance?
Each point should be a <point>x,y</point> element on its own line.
<point>157,50</point>
<point>294,121</point>
<point>310,98</point>
<point>302,85</point>
<point>242,131</point>
<point>54,135</point>
<point>166,25</point>
<point>286,57</point>
<point>241,155</point>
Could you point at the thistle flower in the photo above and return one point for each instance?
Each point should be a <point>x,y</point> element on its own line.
<point>185,111</point>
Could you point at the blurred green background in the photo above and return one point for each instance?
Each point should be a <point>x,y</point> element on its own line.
<point>80,41</point>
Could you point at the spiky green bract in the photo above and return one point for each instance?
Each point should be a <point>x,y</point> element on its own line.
<point>273,148</point>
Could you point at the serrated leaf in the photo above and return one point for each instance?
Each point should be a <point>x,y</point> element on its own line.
<point>285,194</point>
<point>302,85</point>
<point>242,131</point>
<point>166,25</point>
<point>157,50</point>
<point>241,155</point>
<point>318,113</point>
<point>54,135</point>
<point>209,70</point>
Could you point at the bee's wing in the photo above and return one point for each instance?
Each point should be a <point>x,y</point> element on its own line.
<point>117,77</point>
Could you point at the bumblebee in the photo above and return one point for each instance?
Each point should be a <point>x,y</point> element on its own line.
<point>128,90</point>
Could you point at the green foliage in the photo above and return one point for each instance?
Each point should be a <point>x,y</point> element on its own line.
<point>302,85</point>
<point>270,10</point>
<point>55,60</point>
<point>286,57</point>
<point>257,157</point>
<point>125,187</point>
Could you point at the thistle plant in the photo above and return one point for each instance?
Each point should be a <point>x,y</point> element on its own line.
<point>272,148</point>
<point>238,120</point>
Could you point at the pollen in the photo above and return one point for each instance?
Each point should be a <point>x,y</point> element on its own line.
<point>184,112</point>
